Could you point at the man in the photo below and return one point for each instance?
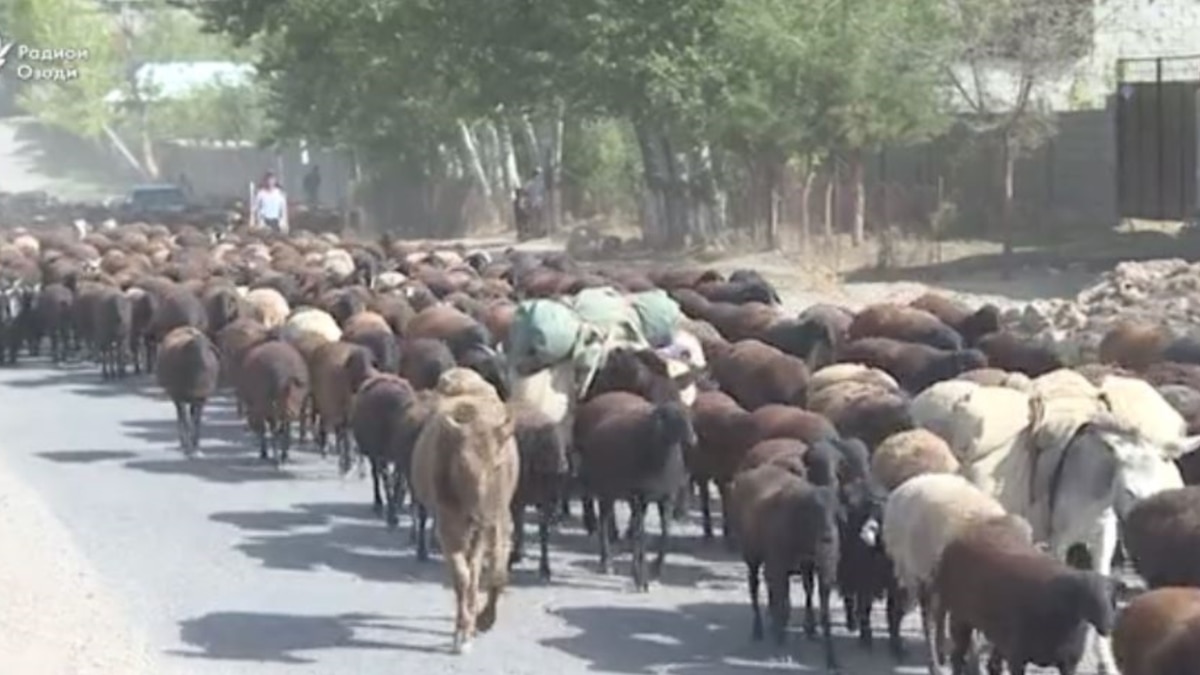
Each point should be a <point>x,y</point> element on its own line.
<point>312,185</point>
<point>270,205</point>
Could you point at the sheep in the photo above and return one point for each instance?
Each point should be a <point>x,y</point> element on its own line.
<point>781,421</point>
<point>372,331</point>
<point>423,360</point>
<point>53,310</point>
<point>1170,372</point>
<point>332,392</point>
<point>309,321</point>
<point>1158,633</point>
<point>465,468</point>
<point>187,369</point>
<point>739,292</point>
<point>223,305</point>
<point>915,366</point>
<point>903,323</point>
<point>114,326</point>
<point>911,453</point>
<point>1134,344</point>
<point>864,412</point>
<point>638,371</point>
<point>1010,352</point>
<point>812,340</point>
<point>841,372</point>
<point>385,418</point>
<point>757,374</point>
<point>788,524</point>
<point>176,307</point>
<point>1032,608</point>
<point>274,386</point>
<point>269,305</point>
<point>920,519</point>
<point>995,377</point>
<point>545,470</point>
<point>785,452</point>
<point>971,325</point>
<point>1162,536</point>
<point>1185,349</point>
<point>723,433</point>
<point>234,341</point>
<point>632,449</point>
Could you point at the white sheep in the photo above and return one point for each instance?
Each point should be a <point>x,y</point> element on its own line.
<point>908,454</point>
<point>389,281</point>
<point>841,372</point>
<point>270,305</point>
<point>308,322</point>
<point>932,408</point>
<point>338,264</point>
<point>1138,404</point>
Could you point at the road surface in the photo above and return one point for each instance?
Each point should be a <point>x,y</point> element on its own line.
<point>227,565</point>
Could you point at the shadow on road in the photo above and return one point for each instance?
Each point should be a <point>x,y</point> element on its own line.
<point>86,456</point>
<point>230,464</point>
<point>248,636</point>
<point>697,639</point>
<point>85,380</point>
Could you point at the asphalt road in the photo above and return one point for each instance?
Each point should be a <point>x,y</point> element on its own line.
<point>232,566</point>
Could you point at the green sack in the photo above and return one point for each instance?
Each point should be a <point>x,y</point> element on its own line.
<point>608,314</point>
<point>659,315</point>
<point>543,333</point>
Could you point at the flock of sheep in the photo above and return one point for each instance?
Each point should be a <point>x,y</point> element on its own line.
<point>914,454</point>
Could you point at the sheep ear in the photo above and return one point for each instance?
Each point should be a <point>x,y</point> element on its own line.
<point>1184,446</point>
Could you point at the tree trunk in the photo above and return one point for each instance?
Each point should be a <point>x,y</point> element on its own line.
<point>715,197</point>
<point>508,156</point>
<point>124,150</point>
<point>552,170</point>
<point>858,179</point>
<point>676,200</point>
<point>654,211</point>
<point>830,187</point>
<point>472,159</point>
<point>772,176</point>
<point>805,216</point>
<point>1007,215</point>
<point>529,133</point>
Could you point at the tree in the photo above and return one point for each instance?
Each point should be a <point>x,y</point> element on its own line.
<point>1007,53</point>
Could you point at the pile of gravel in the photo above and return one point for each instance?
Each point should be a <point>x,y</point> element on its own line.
<point>1159,291</point>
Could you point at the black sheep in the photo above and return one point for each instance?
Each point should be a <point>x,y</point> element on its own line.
<point>188,370</point>
<point>545,471</point>
<point>423,360</point>
<point>632,449</point>
<point>386,418</point>
<point>274,386</point>
<point>53,308</point>
<point>114,326</point>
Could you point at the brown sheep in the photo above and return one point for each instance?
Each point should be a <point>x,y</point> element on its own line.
<point>757,374</point>
<point>868,413</point>
<point>1159,633</point>
<point>177,307</point>
<point>972,325</point>
<point>782,421</point>
<point>53,311</point>
<point>903,323</point>
<point>788,525</point>
<point>465,468</point>
<point>739,322</point>
<point>723,433</point>
<point>187,369</point>
<point>423,360</point>
<point>1134,344</point>
<point>395,309</point>
<point>915,366</point>
<point>332,392</point>
<point>1162,536</point>
<point>545,472</point>
<point>114,327</point>
<point>1032,607</point>
<point>1168,372</point>
<point>275,386</point>
<point>1010,352</point>
<point>234,341</point>
<point>784,452</point>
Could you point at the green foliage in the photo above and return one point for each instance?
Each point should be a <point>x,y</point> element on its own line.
<point>600,159</point>
<point>213,112</point>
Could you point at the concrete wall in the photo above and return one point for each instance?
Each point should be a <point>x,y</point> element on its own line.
<point>226,170</point>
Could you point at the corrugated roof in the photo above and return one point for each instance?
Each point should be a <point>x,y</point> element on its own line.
<point>177,79</point>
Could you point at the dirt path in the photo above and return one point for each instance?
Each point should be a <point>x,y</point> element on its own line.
<point>56,618</point>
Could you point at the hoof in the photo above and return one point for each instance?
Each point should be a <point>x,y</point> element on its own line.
<point>461,646</point>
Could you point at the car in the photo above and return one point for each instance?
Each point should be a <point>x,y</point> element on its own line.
<point>154,202</point>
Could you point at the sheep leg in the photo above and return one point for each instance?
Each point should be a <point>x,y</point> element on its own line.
<point>825,588</point>
<point>779,602</point>
<point>422,523</point>
<point>341,436</point>
<point>637,525</point>
<point>602,529</point>
<point>182,424</point>
<point>754,577</point>
<point>808,579</point>
<point>850,609</point>
<point>464,601</point>
<point>285,439</point>
<point>995,664</point>
<point>897,604</point>
<point>931,622</point>
<point>679,505</point>
<point>377,486</point>
<point>517,513</point>
<point>706,508</point>
<point>496,573</point>
<point>960,635</point>
<point>664,539</point>
<point>862,607</point>
<point>394,478</point>
<point>727,528</point>
<point>197,412</point>
<point>545,514</point>
<point>1102,544</point>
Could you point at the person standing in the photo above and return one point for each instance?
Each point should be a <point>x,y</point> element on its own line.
<point>312,186</point>
<point>270,205</point>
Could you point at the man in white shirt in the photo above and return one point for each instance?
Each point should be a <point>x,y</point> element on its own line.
<point>270,206</point>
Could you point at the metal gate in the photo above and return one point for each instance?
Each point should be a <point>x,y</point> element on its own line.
<point>1157,124</point>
